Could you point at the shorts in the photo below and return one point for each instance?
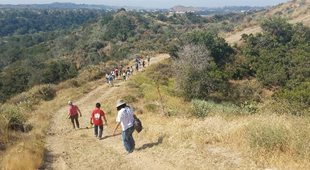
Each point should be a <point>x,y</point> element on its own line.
<point>110,81</point>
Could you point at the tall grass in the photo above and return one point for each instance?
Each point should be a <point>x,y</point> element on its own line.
<point>202,108</point>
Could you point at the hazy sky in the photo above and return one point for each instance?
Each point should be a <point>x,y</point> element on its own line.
<point>156,3</point>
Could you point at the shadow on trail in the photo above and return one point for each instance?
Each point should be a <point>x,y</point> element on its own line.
<point>108,136</point>
<point>48,159</point>
<point>150,145</point>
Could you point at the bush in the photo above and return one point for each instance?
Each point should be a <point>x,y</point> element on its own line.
<point>14,116</point>
<point>202,108</point>
<point>248,91</point>
<point>152,107</point>
<point>129,99</point>
<point>267,137</point>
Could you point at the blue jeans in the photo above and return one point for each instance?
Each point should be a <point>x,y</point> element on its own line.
<point>128,140</point>
<point>100,130</point>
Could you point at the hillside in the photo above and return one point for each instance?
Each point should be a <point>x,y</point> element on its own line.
<point>205,102</point>
<point>294,11</point>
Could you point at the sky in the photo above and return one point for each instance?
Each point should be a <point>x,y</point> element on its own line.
<point>156,3</point>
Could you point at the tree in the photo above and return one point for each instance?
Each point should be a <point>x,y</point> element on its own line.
<point>217,46</point>
<point>196,72</point>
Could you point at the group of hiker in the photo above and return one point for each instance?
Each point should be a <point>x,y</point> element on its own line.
<point>125,118</point>
<point>125,74</point>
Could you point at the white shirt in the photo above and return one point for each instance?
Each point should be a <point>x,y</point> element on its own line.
<point>125,116</point>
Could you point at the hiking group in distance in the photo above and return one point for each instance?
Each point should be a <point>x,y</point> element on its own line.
<point>125,74</point>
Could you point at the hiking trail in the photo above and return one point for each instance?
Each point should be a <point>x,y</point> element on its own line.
<point>80,150</point>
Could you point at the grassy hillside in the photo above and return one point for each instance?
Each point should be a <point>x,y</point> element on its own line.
<point>171,130</point>
<point>252,98</point>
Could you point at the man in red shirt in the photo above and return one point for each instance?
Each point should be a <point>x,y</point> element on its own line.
<point>97,116</point>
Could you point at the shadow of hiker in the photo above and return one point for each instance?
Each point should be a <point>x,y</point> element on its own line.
<point>108,136</point>
<point>150,145</point>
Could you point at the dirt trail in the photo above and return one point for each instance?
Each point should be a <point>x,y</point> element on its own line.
<point>80,150</point>
<point>68,149</point>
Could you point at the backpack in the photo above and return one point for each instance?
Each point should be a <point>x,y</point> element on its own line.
<point>137,125</point>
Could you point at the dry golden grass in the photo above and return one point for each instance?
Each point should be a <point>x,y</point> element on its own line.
<point>29,147</point>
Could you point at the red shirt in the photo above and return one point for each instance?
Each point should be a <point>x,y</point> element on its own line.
<point>116,71</point>
<point>97,117</point>
<point>73,110</point>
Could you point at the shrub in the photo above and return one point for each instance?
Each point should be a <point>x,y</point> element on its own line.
<point>202,108</point>
<point>129,99</point>
<point>249,108</point>
<point>267,137</point>
<point>14,116</point>
<point>152,107</point>
<point>248,91</point>
<point>132,84</point>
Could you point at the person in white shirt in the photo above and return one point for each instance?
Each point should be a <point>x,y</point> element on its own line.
<point>125,117</point>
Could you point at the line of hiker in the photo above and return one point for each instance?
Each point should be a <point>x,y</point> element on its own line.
<point>125,118</point>
<point>125,74</point>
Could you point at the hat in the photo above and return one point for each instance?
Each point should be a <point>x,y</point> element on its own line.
<point>119,102</point>
<point>69,102</point>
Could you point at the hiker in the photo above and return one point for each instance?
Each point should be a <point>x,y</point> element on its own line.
<point>124,76</point>
<point>97,118</point>
<point>128,73</point>
<point>110,79</point>
<point>137,66</point>
<point>112,73</point>
<point>116,73</point>
<point>148,60</point>
<point>143,63</point>
<point>73,115</point>
<point>107,77</point>
<point>120,69</point>
<point>125,117</point>
<point>137,58</point>
<point>131,70</point>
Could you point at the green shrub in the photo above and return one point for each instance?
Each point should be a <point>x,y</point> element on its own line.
<point>129,99</point>
<point>249,108</point>
<point>295,100</point>
<point>152,107</point>
<point>14,116</point>
<point>46,93</point>
<point>202,108</point>
<point>267,137</point>
<point>132,84</point>
<point>247,91</point>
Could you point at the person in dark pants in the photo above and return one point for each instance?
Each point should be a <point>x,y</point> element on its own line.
<point>125,117</point>
<point>97,117</point>
<point>73,114</point>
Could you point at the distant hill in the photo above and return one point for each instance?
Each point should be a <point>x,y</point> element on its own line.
<point>180,8</point>
<point>216,10</point>
<point>58,5</point>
